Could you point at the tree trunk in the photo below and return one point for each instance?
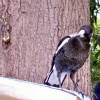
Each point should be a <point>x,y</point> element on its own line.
<point>36,28</point>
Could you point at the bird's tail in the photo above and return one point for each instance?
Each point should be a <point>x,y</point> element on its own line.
<point>53,79</point>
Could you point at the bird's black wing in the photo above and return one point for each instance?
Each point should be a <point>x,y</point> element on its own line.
<point>62,40</point>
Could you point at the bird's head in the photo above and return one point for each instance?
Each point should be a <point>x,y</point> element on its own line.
<point>83,38</point>
<point>85,32</point>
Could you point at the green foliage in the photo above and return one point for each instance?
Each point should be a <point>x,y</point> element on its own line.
<point>94,10</point>
<point>95,56</point>
<point>95,50</point>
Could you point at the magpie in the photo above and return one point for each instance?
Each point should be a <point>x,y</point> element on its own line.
<point>70,55</point>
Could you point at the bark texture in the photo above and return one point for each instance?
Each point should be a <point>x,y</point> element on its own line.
<point>36,28</point>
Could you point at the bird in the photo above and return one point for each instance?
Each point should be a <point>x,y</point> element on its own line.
<point>97,91</point>
<point>70,55</point>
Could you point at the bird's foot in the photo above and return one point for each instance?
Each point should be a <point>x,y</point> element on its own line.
<point>82,94</point>
<point>77,89</point>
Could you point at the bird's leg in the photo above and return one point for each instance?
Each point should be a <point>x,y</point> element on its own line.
<point>59,77</point>
<point>75,83</point>
<point>46,79</point>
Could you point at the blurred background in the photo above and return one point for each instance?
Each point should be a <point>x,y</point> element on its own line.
<point>95,50</point>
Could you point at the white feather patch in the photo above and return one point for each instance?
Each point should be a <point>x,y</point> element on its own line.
<point>81,33</point>
<point>53,79</point>
<point>62,44</point>
<point>63,74</point>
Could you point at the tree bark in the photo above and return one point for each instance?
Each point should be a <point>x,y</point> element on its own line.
<point>36,28</point>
